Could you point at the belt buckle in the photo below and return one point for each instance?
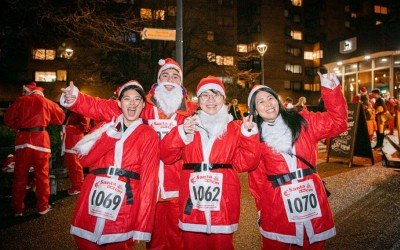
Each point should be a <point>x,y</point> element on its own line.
<point>111,171</point>
<point>299,174</point>
<point>205,166</point>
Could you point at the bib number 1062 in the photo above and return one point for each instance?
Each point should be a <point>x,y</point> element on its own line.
<point>208,194</point>
<point>100,199</point>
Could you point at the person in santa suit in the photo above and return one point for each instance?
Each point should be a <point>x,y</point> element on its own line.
<point>28,88</point>
<point>75,126</point>
<point>116,204</point>
<point>290,196</point>
<point>167,105</point>
<point>214,148</point>
<point>30,115</point>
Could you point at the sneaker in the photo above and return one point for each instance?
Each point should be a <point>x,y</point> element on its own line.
<point>45,211</point>
<point>73,191</point>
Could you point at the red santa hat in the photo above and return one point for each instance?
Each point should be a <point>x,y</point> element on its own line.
<point>363,91</point>
<point>129,83</point>
<point>169,63</point>
<point>257,87</point>
<point>29,87</point>
<point>210,82</point>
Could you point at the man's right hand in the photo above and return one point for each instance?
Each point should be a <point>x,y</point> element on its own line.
<point>68,93</point>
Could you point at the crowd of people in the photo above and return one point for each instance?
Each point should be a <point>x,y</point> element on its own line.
<point>164,170</point>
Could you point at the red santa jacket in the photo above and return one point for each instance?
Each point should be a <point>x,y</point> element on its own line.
<point>136,151</point>
<point>104,110</point>
<point>29,112</point>
<point>233,148</point>
<point>75,127</point>
<point>270,201</point>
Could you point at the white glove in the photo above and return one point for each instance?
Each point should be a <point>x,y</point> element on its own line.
<point>114,128</point>
<point>329,80</point>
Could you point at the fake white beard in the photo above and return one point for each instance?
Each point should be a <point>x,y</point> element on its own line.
<point>168,101</point>
<point>277,135</point>
<point>215,124</point>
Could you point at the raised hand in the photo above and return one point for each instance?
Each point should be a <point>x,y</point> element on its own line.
<point>190,125</point>
<point>329,80</point>
<point>248,122</point>
<point>69,97</point>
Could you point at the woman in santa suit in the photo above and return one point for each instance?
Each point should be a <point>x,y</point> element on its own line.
<point>117,201</point>
<point>214,148</point>
<point>289,194</point>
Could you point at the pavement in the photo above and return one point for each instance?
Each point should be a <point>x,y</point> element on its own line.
<point>365,200</point>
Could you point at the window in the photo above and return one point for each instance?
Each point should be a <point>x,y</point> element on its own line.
<point>380,10</point>
<point>293,51</point>
<point>171,10</point>
<point>347,24</point>
<point>296,69</point>
<point>44,54</point>
<point>353,15</point>
<point>211,57</point>
<point>160,14</point>
<point>378,22</point>
<point>318,54</point>
<point>296,35</point>
<point>296,18</point>
<point>61,75</point>
<point>226,79</point>
<point>210,35</point>
<point>242,48</point>
<point>224,60</point>
<point>286,84</point>
<point>308,55</point>
<point>45,76</point>
<point>297,2</point>
<point>145,14</point>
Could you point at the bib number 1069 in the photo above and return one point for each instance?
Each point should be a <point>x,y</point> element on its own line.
<point>101,199</point>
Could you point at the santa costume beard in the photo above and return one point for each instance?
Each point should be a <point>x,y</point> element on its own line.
<point>215,124</point>
<point>168,101</point>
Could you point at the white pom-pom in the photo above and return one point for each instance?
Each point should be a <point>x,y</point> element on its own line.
<point>161,62</point>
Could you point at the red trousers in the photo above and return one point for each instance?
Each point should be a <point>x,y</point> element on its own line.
<point>75,170</point>
<point>277,245</point>
<point>24,159</point>
<point>202,241</point>
<point>166,233</point>
<point>84,244</point>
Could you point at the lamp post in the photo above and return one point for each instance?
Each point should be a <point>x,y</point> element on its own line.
<point>68,54</point>
<point>262,48</point>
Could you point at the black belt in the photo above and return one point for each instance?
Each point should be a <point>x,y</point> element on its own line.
<point>120,172</point>
<point>280,179</point>
<point>197,167</point>
<point>34,129</point>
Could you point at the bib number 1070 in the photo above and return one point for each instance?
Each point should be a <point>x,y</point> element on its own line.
<point>208,194</point>
<point>100,199</point>
<point>301,204</point>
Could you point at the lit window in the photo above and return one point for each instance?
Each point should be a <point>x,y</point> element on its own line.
<point>297,2</point>
<point>44,54</point>
<point>378,22</point>
<point>242,48</point>
<point>45,76</point>
<point>61,75</point>
<point>353,15</point>
<point>160,14</point>
<point>380,10</point>
<point>308,55</point>
<point>211,56</point>
<point>210,35</point>
<point>296,35</point>
<point>219,60</point>
<point>228,60</point>
<point>145,14</point>
<point>226,79</point>
<point>296,69</point>
<point>318,54</point>
<point>171,11</point>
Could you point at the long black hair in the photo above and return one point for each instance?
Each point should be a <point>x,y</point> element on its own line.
<point>292,118</point>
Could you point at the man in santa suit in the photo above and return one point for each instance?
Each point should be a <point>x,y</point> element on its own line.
<point>167,105</point>
<point>30,115</point>
<point>28,88</point>
<point>74,128</point>
<point>357,98</point>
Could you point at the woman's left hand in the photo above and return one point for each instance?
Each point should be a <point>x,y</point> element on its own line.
<point>248,122</point>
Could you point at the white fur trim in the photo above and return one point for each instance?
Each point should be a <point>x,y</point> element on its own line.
<point>37,92</point>
<point>247,133</point>
<point>209,86</point>
<point>75,92</point>
<point>255,88</point>
<point>186,138</point>
<point>86,143</point>
<point>130,83</point>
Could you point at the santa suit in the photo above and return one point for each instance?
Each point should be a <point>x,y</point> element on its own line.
<point>30,115</point>
<point>74,128</point>
<point>233,152</point>
<point>166,233</point>
<point>136,152</point>
<point>317,225</point>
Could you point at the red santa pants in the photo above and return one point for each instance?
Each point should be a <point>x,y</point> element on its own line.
<point>24,159</point>
<point>277,245</point>
<point>166,233</point>
<point>200,241</point>
<point>84,244</point>
<point>75,171</point>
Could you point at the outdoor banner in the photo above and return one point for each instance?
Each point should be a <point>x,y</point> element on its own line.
<point>354,141</point>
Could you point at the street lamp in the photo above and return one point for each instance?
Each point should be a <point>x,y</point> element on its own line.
<point>262,48</point>
<point>68,54</point>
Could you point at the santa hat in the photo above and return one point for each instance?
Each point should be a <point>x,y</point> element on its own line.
<point>169,63</point>
<point>210,82</point>
<point>129,83</point>
<point>38,90</point>
<point>363,91</point>
<point>257,87</point>
<point>29,87</point>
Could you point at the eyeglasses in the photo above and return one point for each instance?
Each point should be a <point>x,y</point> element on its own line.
<point>206,97</point>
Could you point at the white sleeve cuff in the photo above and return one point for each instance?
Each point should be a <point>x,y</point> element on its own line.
<point>249,133</point>
<point>75,92</point>
<point>186,138</point>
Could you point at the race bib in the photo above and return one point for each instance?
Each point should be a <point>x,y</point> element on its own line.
<point>106,197</point>
<point>162,126</point>
<point>300,199</point>
<point>206,190</point>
